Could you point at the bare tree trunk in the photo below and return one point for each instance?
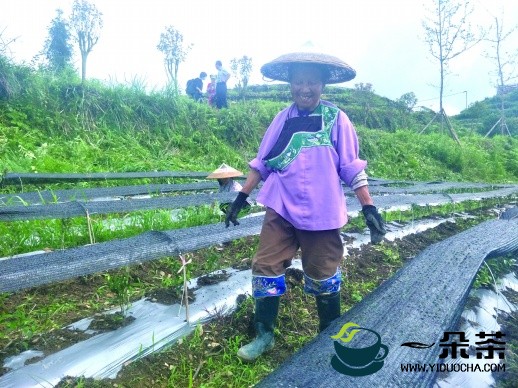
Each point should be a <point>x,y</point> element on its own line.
<point>83,67</point>
<point>176,65</point>
<point>448,35</point>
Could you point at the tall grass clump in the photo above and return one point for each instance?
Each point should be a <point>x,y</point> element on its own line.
<point>408,155</point>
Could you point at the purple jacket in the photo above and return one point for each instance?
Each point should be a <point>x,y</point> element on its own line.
<point>308,191</point>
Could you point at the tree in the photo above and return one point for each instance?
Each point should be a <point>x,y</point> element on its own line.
<point>9,84</point>
<point>365,98</point>
<point>172,46</point>
<point>58,49</point>
<point>241,68</point>
<point>86,22</point>
<point>5,42</point>
<point>448,34</point>
<point>407,101</point>
<point>503,60</point>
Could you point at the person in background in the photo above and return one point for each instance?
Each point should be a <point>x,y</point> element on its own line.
<point>221,86</point>
<point>307,151</point>
<point>225,176</point>
<point>211,90</point>
<point>195,90</point>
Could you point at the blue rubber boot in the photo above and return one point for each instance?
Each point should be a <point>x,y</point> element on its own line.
<point>266,310</point>
<point>328,307</point>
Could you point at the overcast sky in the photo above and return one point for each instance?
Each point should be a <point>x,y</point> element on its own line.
<point>383,40</point>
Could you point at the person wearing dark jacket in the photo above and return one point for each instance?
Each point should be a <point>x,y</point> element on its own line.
<point>195,90</point>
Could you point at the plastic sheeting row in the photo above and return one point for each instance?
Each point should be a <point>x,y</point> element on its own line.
<point>27,271</point>
<point>377,186</point>
<point>418,304</point>
<point>32,270</point>
<point>118,192</point>
<point>79,208</point>
<point>16,178</point>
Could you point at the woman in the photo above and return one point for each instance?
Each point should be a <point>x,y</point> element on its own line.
<point>308,149</point>
<point>225,175</point>
<point>211,90</point>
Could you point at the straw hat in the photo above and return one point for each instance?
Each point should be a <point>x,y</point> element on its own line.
<point>338,70</point>
<point>224,171</point>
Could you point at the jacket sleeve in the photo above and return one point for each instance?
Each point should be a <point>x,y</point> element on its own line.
<point>345,140</point>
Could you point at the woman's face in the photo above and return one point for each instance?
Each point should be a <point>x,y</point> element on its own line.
<point>306,86</point>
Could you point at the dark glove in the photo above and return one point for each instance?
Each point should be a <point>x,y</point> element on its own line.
<point>238,204</point>
<point>374,222</point>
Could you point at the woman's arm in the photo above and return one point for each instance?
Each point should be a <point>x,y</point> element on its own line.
<point>252,180</point>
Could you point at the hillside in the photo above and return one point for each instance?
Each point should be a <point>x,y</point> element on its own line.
<point>372,111</point>
<point>50,123</point>
<point>481,116</point>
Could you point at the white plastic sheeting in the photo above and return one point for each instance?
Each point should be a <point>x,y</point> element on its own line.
<point>155,326</point>
<point>482,317</point>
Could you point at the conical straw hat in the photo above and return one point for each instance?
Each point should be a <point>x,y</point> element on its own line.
<point>224,171</point>
<point>336,69</point>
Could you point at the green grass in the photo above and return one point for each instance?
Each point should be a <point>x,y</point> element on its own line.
<point>493,269</point>
<point>27,236</point>
<point>53,124</point>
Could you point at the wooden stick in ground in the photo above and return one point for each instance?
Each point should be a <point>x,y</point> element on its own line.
<point>90,229</point>
<point>185,289</point>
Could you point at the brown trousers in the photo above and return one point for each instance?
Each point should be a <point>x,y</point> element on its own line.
<point>322,251</point>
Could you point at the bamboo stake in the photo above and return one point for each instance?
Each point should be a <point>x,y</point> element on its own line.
<point>90,229</point>
<point>452,131</point>
<point>185,293</point>
<point>88,223</point>
<point>493,127</point>
<point>427,125</point>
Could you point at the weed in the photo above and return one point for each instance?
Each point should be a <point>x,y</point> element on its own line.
<point>493,269</point>
<point>391,254</point>
<point>120,284</point>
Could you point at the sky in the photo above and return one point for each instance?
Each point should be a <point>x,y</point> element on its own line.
<point>382,40</point>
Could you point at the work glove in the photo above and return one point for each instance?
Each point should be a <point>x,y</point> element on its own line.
<point>374,222</point>
<point>233,211</point>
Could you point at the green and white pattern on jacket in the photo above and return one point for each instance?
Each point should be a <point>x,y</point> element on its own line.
<point>307,139</point>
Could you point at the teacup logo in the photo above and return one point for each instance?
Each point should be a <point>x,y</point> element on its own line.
<point>359,351</point>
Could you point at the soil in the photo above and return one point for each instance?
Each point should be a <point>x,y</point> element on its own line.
<point>365,264</point>
<point>170,296</point>
<point>108,322</point>
<point>213,278</point>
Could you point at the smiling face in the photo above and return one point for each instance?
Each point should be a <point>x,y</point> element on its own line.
<point>307,85</point>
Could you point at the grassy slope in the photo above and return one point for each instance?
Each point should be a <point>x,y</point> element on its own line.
<point>52,124</point>
<point>200,139</point>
